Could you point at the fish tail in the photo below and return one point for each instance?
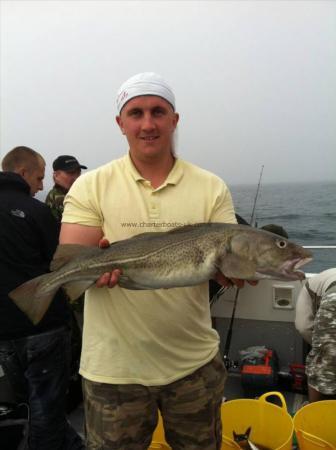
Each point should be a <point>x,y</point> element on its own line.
<point>32,303</point>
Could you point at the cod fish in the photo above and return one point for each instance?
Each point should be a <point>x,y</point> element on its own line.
<point>243,441</point>
<point>184,256</point>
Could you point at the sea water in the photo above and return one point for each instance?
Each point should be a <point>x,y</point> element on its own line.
<point>307,211</point>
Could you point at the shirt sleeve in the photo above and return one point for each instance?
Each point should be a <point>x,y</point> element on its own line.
<point>304,316</point>
<point>223,210</point>
<point>81,205</point>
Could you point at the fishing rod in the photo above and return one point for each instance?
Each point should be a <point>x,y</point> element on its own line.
<point>255,199</point>
<point>227,361</point>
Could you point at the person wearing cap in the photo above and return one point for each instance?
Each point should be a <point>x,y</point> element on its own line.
<point>146,350</point>
<point>276,229</point>
<point>315,320</point>
<point>34,359</point>
<point>66,170</point>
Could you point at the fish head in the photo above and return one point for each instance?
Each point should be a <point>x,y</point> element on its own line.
<point>273,256</point>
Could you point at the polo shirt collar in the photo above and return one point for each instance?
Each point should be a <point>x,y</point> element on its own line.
<point>173,178</point>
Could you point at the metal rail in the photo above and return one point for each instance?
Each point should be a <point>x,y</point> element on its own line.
<point>319,246</point>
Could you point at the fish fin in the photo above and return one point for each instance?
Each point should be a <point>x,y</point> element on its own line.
<point>68,252</point>
<point>176,230</point>
<point>232,266</point>
<point>252,446</point>
<point>146,233</point>
<point>26,298</point>
<point>75,289</point>
<point>184,228</point>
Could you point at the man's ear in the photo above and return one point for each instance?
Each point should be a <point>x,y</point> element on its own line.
<point>177,117</point>
<point>21,171</point>
<point>119,122</point>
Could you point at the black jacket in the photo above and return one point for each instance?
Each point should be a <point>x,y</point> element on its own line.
<point>28,240</point>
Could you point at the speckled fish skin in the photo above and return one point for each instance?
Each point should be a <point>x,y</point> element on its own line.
<point>184,256</point>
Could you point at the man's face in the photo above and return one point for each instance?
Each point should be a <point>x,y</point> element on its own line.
<point>66,179</point>
<point>34,177</point>
<point>149,123</point>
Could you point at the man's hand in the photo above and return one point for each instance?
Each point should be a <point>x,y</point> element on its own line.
<point>228,282</point>
<point>108,279</point>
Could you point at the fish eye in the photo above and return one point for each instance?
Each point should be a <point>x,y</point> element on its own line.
<point>281,243</point>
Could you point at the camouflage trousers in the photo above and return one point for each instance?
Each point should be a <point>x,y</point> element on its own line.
<point>321,360</point>
<point>123,417</point>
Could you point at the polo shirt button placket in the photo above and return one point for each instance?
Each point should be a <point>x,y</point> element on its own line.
<point>153,207</point>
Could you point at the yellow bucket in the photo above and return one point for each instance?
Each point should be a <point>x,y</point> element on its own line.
<point>229,444</point>
<point>159,446</point>
<point>271,425</point>
<point>315,426</point>
<point>158,439</point>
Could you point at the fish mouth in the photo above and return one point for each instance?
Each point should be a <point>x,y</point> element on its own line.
<point>290,268</point>
<point>301,261</point>
<point>288,271</point>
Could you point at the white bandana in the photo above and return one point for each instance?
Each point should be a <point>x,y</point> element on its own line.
<point>147,83</point>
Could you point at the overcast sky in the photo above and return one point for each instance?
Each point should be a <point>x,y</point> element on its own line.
<point>255,81</point>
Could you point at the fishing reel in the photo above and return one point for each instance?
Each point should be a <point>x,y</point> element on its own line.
<point>230,363</point>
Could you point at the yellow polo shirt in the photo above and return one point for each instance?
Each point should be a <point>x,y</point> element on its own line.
<point>146,337</point>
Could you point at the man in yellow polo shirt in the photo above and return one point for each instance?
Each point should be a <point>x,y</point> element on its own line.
<point>144,350</point>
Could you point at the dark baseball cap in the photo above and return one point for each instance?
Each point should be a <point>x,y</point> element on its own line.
<point>67,163</point>
<point>276,229</point>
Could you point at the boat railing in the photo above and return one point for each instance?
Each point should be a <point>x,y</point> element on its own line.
<point>319,246</point>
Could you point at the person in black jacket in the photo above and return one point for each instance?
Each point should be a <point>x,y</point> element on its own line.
<point>34,358</point>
